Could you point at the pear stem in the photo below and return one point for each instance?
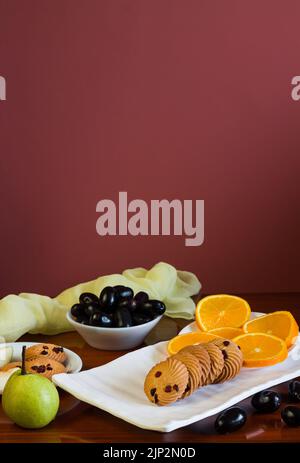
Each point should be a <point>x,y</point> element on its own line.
<point>23,370</point>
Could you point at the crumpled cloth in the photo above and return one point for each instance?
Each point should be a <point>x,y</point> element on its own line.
<point>34,313</point>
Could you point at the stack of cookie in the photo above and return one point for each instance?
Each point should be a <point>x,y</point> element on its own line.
<point>192,367</point>
<point>44,359</point>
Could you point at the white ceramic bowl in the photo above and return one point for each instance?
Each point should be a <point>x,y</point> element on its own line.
<point>113,338</point>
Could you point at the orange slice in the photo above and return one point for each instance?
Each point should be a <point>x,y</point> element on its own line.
<point>188,339</point>
<point>221,310</point>
<point>227,332</point>
<point>281,324</point>
<point>261,350</point>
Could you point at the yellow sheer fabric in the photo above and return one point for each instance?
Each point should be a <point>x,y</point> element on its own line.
<point>41,314</point>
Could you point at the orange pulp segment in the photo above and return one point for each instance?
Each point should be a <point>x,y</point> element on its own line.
<point>221,310</point>
<point>261,350</point>
<point>281,324</point>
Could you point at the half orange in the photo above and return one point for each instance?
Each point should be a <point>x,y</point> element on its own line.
<point>189,339</point>
<point>261,350</point>
<point>281,324</point>
<point>221,310</point>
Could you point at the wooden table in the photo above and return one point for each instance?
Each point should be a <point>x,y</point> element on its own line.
<point>79,422</point>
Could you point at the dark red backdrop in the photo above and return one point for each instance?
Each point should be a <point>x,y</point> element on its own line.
<point>163,99</point>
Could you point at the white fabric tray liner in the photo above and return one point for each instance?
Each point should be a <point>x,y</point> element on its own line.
<point>117,388</point>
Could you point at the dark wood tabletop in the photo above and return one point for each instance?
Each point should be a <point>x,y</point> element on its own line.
<point>80,422</point>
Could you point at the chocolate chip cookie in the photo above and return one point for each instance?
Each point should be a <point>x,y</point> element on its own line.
<point>44,366</point>
<point>192,365</point>
<point>11,365</point>
<point>203,358</point>
<point>216,362</point>
<point>166,382</point>
<point>233,359</point>
<point>47,351</point>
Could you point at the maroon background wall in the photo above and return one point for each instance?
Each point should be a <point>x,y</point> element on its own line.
<point>163,99</point>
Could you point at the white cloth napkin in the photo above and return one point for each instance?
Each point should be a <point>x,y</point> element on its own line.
<point>34,313</point>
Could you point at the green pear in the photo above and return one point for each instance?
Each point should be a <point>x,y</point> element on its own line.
<point>30,400</point>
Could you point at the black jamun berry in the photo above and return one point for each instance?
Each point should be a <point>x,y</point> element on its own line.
<point>230,420</point>
<point>266,401</point>
<point>88,298</point>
